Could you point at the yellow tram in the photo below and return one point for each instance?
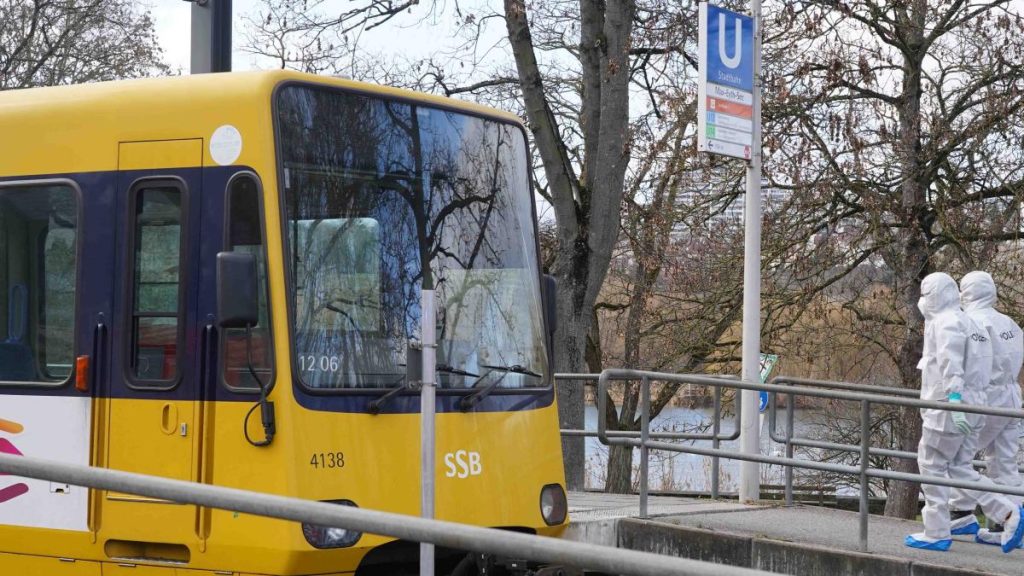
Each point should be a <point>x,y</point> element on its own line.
<point>319,205</point>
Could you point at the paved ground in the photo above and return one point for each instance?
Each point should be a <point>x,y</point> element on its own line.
<point>589,506</point>
<point>823,527</point>
<point>839,529</point>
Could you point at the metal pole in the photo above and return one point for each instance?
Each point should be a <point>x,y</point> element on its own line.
<point>715,443</point>
<point>865,444</point>
<point>789,448</point>
<point>211,36</point>
<point>427,411</point>
<point>645,415</point>
<point>750,434</point>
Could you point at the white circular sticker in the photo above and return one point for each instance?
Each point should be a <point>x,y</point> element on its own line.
<point>226,144</point>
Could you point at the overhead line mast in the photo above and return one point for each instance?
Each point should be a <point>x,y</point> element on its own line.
<point>211,36</point>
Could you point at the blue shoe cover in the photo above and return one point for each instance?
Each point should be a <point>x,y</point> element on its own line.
<point>968,530</point>
<point>1018,533</point>
<point>987,537</point>
<point>920,541</point>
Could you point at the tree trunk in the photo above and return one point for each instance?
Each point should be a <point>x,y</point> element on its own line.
<point>620,470</point>
<point>587,214</point>
<point>570,344</point>
<point>619,478</point>
<point>902,499</point>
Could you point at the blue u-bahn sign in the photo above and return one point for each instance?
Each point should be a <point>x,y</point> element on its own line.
<point>730,48</point>
<point>725,86</point>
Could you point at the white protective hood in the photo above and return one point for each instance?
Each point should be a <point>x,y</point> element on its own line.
<point>977,290</point>
<point>978,296</point>
<point>957,354</point>
<point>938,294</point>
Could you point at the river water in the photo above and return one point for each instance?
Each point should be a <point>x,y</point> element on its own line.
<point>679,472</point>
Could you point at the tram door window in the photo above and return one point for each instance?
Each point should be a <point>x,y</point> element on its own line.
<point>156,285</point>
<point>38,249</point>
<point>245,234</point>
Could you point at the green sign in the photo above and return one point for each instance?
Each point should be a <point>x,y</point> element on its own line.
<point>768,362</point>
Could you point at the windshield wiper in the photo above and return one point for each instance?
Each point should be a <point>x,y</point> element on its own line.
<point>467,403</point>
<point>446,369</point>
<point>399,386</point>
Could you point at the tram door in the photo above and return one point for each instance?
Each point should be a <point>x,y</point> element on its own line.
<point>154,410</point>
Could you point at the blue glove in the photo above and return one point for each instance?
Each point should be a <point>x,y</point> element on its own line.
<point>959,418</point>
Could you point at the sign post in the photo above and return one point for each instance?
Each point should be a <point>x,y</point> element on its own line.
<point>729,124</point>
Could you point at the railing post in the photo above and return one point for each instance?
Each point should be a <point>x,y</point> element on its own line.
<point>716,428</point>
<point>790,405</point>
<point>645,415</point>
<point>865,445</point>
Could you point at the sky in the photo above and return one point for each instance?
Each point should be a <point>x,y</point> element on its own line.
<point>173,26</point>
<point>415,39</point>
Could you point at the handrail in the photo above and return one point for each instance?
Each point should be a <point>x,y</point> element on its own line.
<point>413,528</point>
<point>789,441</point>
<point>865,395</point>
<point>848,386</point>
<point>715,436</point>
<point>620,374</point>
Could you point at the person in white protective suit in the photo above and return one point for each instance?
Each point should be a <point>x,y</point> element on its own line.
<point>956,365</point>
<point>999,436</point>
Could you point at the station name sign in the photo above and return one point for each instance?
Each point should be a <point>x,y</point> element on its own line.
<point>725,89</point>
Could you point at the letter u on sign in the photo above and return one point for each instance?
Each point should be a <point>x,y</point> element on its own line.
<point>737,52</point>
<point>726,47</point>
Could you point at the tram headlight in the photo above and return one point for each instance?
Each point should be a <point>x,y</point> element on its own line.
<point>328,537</point>
<point>553,506</point>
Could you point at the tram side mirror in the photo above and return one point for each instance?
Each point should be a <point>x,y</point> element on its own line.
<point>549,293</point>
<point>237,301</point>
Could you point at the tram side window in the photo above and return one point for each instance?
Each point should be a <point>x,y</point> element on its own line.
<point>38,268</point>
<point>245,234</point>
<point>156,284</point>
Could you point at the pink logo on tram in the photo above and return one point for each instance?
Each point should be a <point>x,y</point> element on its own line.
<point>13,491</point>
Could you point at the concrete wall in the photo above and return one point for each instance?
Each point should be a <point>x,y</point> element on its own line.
<point>764,554</point>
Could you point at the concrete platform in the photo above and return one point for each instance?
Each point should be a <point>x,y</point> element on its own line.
<point>798,540</point>
<point>590,506</point>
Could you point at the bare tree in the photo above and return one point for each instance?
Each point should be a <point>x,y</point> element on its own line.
<point>314,35</point>
<point>898,111</point>
<point>673,298</point>
<point>49,42</point>
<point>586,197</point>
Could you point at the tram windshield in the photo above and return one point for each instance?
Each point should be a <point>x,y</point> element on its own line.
<point>377,192</point>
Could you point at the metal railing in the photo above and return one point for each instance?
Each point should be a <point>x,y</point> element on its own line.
<point>789,440</point>
<point>716,437</point>
<point>410,528</point>
<point>865,396</point>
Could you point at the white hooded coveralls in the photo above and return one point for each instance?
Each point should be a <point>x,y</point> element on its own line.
<point>957,358</point>
<point>999,436</point>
